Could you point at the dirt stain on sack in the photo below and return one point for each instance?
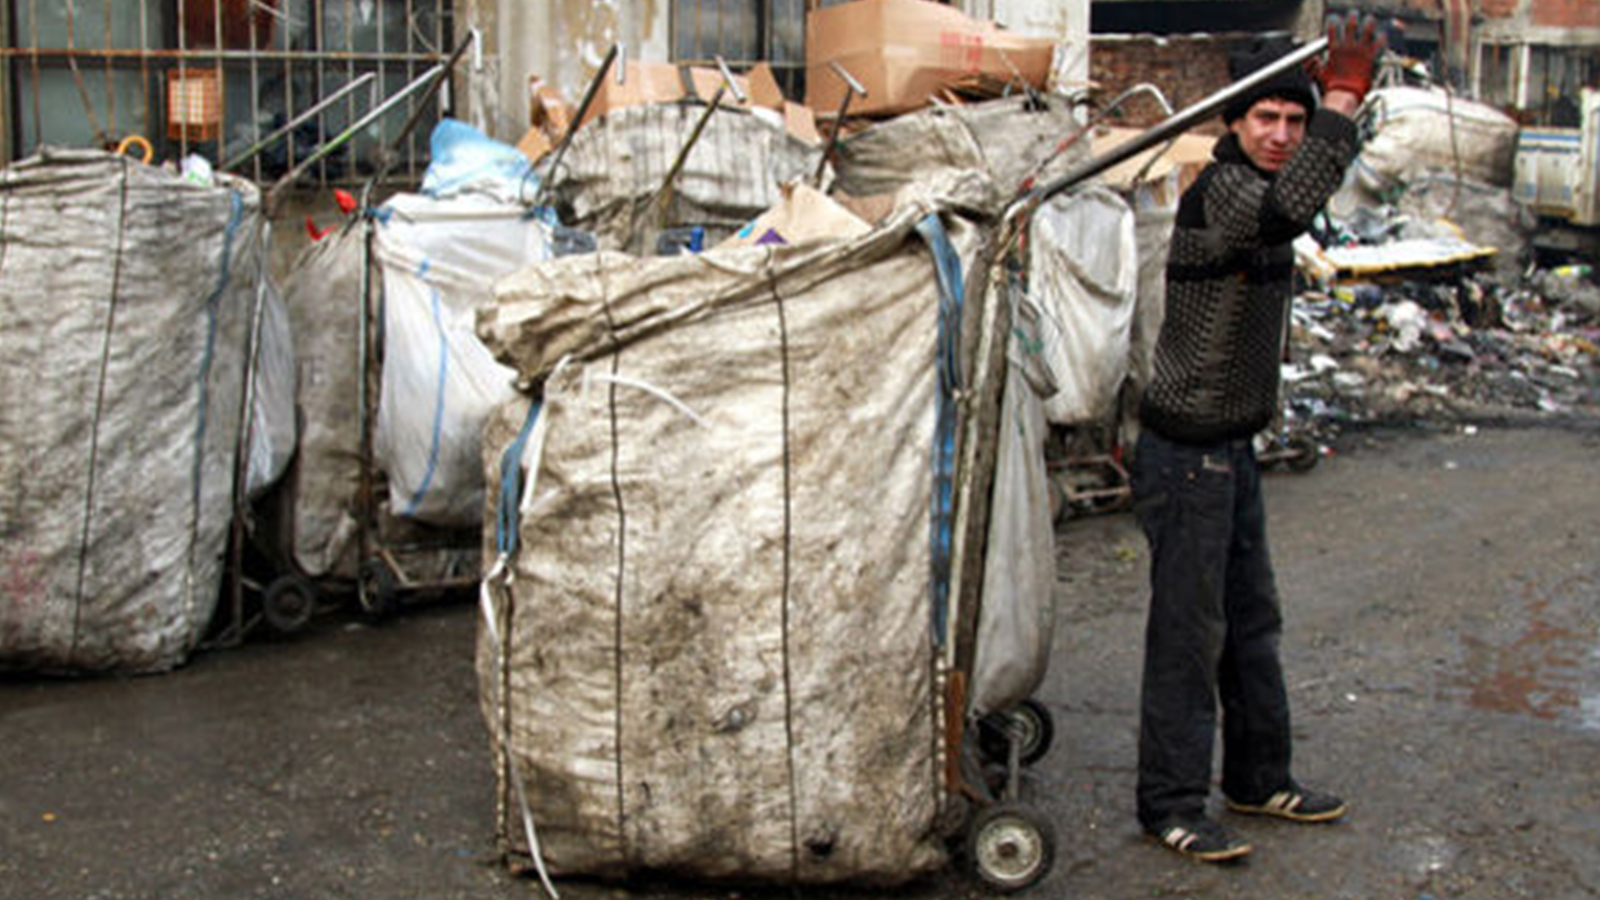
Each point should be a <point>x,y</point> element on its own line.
<point>1548,669</point>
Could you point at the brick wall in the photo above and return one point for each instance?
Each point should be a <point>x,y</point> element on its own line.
<point>1565,13</point>
<point>1185,69</point>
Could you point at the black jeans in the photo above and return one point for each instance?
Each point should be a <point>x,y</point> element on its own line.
<point>1213,630</point>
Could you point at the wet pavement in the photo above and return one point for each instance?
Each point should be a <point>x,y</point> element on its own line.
<point>1442,592</point>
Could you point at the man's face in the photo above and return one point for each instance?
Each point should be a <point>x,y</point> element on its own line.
<point>1271,132</point>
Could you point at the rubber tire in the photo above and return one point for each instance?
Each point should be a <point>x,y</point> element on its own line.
<point>377,590</point>
<point>1039,730</point>
<point>1009,847</point>
<point>1303,454</point>
<point>288,603</point>
<point>1038,733</point>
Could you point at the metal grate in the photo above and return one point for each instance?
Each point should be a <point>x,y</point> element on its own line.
<point>216,77</point>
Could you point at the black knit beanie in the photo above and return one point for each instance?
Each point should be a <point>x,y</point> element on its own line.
<point>1293,84</point>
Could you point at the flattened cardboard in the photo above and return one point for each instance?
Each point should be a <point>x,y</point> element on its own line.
<point>906,51</point>
<point>804,215</point>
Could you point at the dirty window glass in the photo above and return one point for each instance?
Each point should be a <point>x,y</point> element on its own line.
<point>215,77</point>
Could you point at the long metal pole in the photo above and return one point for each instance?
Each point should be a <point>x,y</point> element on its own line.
<point>577,118</point>
<point>246,155</point>
<point>387,163</point>
<point>355,129</point>
<point>1168,128</point>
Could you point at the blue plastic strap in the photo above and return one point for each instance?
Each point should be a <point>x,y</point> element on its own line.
<point>436,438</point>
<point>505,527</point>
<point>947,268</point>
<point>235,217</point>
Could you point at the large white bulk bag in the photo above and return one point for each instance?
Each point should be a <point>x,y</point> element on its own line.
<point>127,296</point>
<point>715,649</point>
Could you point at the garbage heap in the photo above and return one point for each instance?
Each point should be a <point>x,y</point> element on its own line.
<point>1423,301</point>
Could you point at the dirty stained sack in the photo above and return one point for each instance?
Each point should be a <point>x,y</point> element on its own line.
<point>322,293</point>
<point>732,173</point>
<point>717,652</point>
<point>127,296</point>
<point>1417,132</point>
<point>1016,620</point>
<point>1010,140</point>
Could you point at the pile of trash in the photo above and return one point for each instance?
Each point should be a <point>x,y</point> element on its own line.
<point>1422,303</point>
<point>1460,349</point>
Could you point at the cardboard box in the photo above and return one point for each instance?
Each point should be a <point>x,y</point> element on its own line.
<point>905,51</point>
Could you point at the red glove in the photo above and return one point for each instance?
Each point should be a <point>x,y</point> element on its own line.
<point>1352,56</point>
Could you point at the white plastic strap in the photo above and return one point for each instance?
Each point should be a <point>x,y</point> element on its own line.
<point>500,575</point>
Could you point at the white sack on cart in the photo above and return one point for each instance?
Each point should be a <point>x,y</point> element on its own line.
<point>734,172</point>
<point>720,634</point>
<point>1016,622</point>
<point>272,393</point>
<point>1083,275</point>
<point>439,261</point>
<point>126,295</point>
<point>323,296</point>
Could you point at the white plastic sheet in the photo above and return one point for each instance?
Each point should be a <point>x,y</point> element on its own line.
<point>273,430</point>
<point>1016,624</point>
<point>1419,132</point>
<point>1084,278</point>
<point>439,261</point>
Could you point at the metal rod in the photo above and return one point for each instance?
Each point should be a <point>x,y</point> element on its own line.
<point>387,162</point>
<point>727,78</point>
<point>249,154</point>
<point>355,129</point>
<point>1169,128</point>
<point>136,55</point>
<point>851,88</point>
<point>577,119</point>
<point>665,189</point>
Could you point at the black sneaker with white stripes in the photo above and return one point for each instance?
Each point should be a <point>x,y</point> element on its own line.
<point>1295,803</point>
<point>1199,838</point>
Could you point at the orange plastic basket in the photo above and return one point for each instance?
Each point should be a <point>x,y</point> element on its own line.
<point>194,104</point>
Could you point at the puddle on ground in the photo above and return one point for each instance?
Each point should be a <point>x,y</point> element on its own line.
<point>1547,666</point>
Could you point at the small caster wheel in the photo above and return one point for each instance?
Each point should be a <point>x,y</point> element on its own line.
<point>1038,730</point>
<point>287,604</point>
<point>1030,724</point>
<point>1010,847</point>
<point>1303,454</point>
<point>377,590</point>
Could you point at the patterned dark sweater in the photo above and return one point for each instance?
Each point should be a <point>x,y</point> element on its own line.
<point>1217,358</point>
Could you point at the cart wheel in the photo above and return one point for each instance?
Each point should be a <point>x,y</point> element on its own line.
<point>1010,847</point>
<point>1038,730</point>
<point>287,604</point>
<point>1303,453</point>
<point>377,590</point>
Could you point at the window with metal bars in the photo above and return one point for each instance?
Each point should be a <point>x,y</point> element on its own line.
<point>217,77</point>
<point>745,32</point>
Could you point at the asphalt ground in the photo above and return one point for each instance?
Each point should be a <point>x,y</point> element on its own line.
<point>1442,596</point>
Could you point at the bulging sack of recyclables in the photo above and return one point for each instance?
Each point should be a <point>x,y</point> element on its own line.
<point>127,295</point>
<point>715,651</point>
